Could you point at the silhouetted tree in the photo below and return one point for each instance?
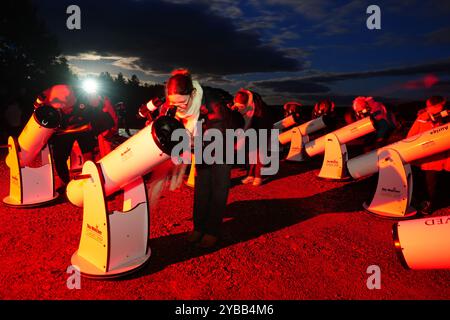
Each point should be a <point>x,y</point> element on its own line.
<point>30,58</point>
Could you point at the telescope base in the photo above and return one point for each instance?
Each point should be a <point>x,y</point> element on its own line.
<point>334,160</point>
<point>189,184</point>
<point>297,148</point>
<point>410,213</point>
<point>191,178</point>
<point>392,197</point>
<point>302,159</point>
<point>89,270</point>
<point>343,179</point>
<point>11,202</point>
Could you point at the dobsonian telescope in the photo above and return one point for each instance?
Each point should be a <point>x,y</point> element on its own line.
<point>29,158</point>
<point>393,195</point>
<point>115,243</point>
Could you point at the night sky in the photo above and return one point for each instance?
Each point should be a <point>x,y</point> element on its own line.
<point>282,49</point>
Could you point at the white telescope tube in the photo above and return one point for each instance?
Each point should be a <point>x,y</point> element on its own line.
<point>287,122</point>
<point>305,129</point>
<point>348,133</point>
<point>423,243</point>
<point>35,135</point>
<point>410,149</point>
<point>133,158</point>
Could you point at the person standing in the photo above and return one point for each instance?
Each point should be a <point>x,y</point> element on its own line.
<point>256,116</point>
<point>195,104</point>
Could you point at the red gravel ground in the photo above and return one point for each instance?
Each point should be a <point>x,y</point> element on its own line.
<point>295,237</point>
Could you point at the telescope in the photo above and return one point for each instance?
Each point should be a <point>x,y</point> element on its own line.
<point>333,145</point>
<point>393,194</point>
<point>150,110</point>
<point>288,122</point>
<point>440,116</point>
<point>299,135</point>
<point>116,243</point>
<point>32,183</point>
<point>423,243</point>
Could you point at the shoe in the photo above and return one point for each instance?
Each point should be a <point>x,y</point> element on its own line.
<point>247,180</point>
<point>208,241</point>
<point>257,182</point>
<point>426,208</point>
<point>194,236</point>
<point>61,190</point>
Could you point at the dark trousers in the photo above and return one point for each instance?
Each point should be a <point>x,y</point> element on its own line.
<point>212,183</point>
<point>431,181</point>
<point>62,147</point>
<point>430,185</point>
<point>255,169</point>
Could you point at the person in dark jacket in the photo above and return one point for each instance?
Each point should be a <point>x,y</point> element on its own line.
<point>256,116</point>
<point>79,122</point>
<point>436,168</point>
<point>195,104</point>
<point>383,119</point>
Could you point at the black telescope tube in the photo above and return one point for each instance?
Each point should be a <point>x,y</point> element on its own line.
<point>162,130</point>
<point>47,116</point>
<point>297,117</point>
<point>328,120</point>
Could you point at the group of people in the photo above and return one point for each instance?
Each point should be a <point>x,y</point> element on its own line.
<point>191,103</point>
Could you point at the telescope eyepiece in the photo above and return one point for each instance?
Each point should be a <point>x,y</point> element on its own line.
<point>363,113</point>
<point>171,111</point>
<point>442,116</point>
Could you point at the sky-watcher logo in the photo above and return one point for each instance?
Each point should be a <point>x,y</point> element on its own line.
<point>437,130</point>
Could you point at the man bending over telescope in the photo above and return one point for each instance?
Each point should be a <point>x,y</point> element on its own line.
<point>435,167</point>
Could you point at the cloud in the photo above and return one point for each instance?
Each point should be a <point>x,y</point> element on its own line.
<point>90,56</point>
<point>225,8</point>
<point>282,37</point>
<point>341,100</point>
<point>261,23</point>
<point>132,64</point>
<point>330,18</point>
<point>443,87</point>
<point>439,67</point>
<point>81,72</point>
<point>426,82</point>
<point>161,36</point>
<point>293,86</point>
<point>440,36</point>
<point>311,9</point>
<point>321,82</point>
